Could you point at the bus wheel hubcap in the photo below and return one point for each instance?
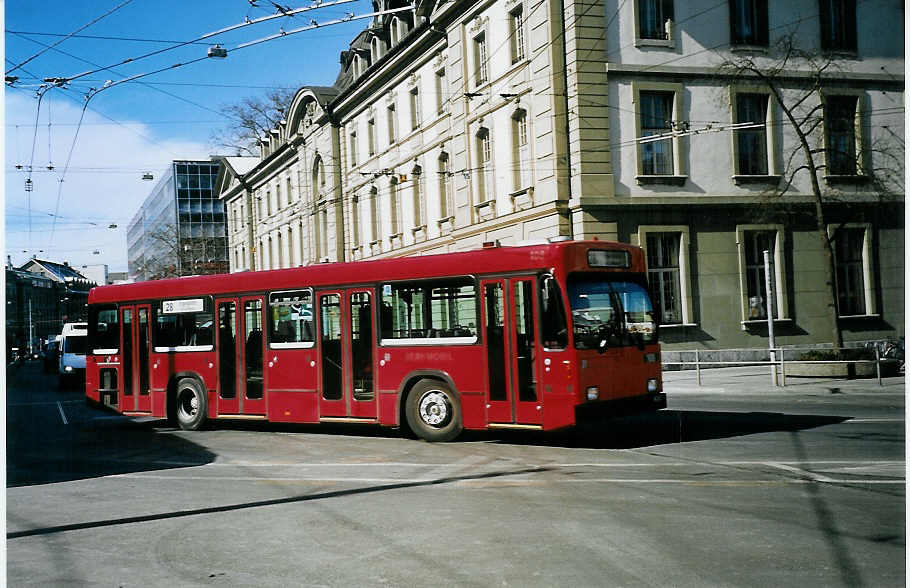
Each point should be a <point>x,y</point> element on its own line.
<point>434,408</point>
<point>191,404</point>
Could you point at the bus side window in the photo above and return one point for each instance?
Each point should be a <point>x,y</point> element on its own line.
<point>554,329</point>
<point>291,318</point>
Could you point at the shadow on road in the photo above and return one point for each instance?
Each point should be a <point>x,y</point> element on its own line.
<point>52,436</point>
<point>662,428</point>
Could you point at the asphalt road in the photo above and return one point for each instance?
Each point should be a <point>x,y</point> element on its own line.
<point>733,485</point>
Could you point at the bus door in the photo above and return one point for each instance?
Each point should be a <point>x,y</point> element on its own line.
<point>359,333</point>
<point>510,339</point>
<point>134,366</point>
<point>127,399</point>
<point>523,334</point>
<point>251,380</point>
<point>229,357</point>
<point>331,356</point>
<point>141,359</point>
<point>347,357</point>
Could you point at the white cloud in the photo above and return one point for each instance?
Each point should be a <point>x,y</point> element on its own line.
<point>103,185</point>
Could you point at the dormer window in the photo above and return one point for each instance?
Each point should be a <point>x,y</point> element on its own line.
<point>376,49</point>
<point>393,30</point>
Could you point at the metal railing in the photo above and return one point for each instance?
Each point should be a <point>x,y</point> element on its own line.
<point>777,360</point>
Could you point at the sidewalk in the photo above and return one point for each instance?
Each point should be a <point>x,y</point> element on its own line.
<point>757,380</point>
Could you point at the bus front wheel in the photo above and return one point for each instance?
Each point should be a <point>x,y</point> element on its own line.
<point>433,411</point>
<point>191,404</point>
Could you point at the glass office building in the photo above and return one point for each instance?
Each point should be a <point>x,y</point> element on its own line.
<point>180,228</point>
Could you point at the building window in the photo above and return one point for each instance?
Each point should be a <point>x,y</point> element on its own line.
<point>277,195</point>
<point>656,118</point>
<point>353,150</point>
<point>838,24</point>
<point>317,173</point>
<point>757,242</point>
<point>517,34</point>
<point>415,107</point>
<point>324,233</point>
<point>850,255</point>
<point>666,251</point>
<point>753,241</point>
<point>280,243</point>
<point>440,90</point>
<point>446,207</point>
<point>751,143</point>
<point>290,192</point>
<point>481,73</point>
<point>663,275</point>
<point>484,165</point>
<point>392,123</point>
<point>371,136</point>
<point>394,228</point>
<point>749,22</point>
<point>374,213</point>
<point>355,220</point>
<point>393,30</point>
<point>418,204</point>
<point>840,135</point>
<point>520,151</point>
<point>652,18</point>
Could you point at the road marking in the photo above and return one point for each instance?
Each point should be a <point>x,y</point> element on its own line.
<point>396,464</point>
<point>62,416</point>
<point>875,421</point>
<point>800,472</point>
<point>514,481</point>
<point>44,403</point>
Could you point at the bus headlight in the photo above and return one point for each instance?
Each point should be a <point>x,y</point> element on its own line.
<point>652,385</point>
<point>593,392</point>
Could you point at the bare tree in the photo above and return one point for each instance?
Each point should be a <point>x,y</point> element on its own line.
<point>796,80</point>
<point>251,118</point>
<point>169,255</point>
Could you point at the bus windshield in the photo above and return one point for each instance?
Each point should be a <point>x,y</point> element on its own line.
<point>610,313</point>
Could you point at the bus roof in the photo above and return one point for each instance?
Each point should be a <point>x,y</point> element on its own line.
<point>568,255</point>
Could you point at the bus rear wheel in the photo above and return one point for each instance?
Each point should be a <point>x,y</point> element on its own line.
<point>433,411</point>
<point>192,405</point>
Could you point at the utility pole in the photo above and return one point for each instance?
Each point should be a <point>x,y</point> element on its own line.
<point>769,311</point>
<point>31,327</point>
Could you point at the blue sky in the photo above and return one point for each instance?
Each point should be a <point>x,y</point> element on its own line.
<point>133,127</point>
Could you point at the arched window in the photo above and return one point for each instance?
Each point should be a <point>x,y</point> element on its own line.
<point>393,29</point>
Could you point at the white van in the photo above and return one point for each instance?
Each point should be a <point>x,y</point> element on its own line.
<point>71,350</point>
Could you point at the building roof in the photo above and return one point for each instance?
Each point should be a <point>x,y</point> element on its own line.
<point>240,165</point>
<point>60,272</point>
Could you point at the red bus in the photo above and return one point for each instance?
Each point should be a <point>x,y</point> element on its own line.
<point>501,337</point>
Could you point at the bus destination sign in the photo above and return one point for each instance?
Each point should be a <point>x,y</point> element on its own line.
<point>604,258</point>
<point>178,306</point>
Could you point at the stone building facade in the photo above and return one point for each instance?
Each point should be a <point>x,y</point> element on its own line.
<point>456,123</point>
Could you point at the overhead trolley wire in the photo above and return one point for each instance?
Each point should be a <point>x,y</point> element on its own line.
<point>83,27</point>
